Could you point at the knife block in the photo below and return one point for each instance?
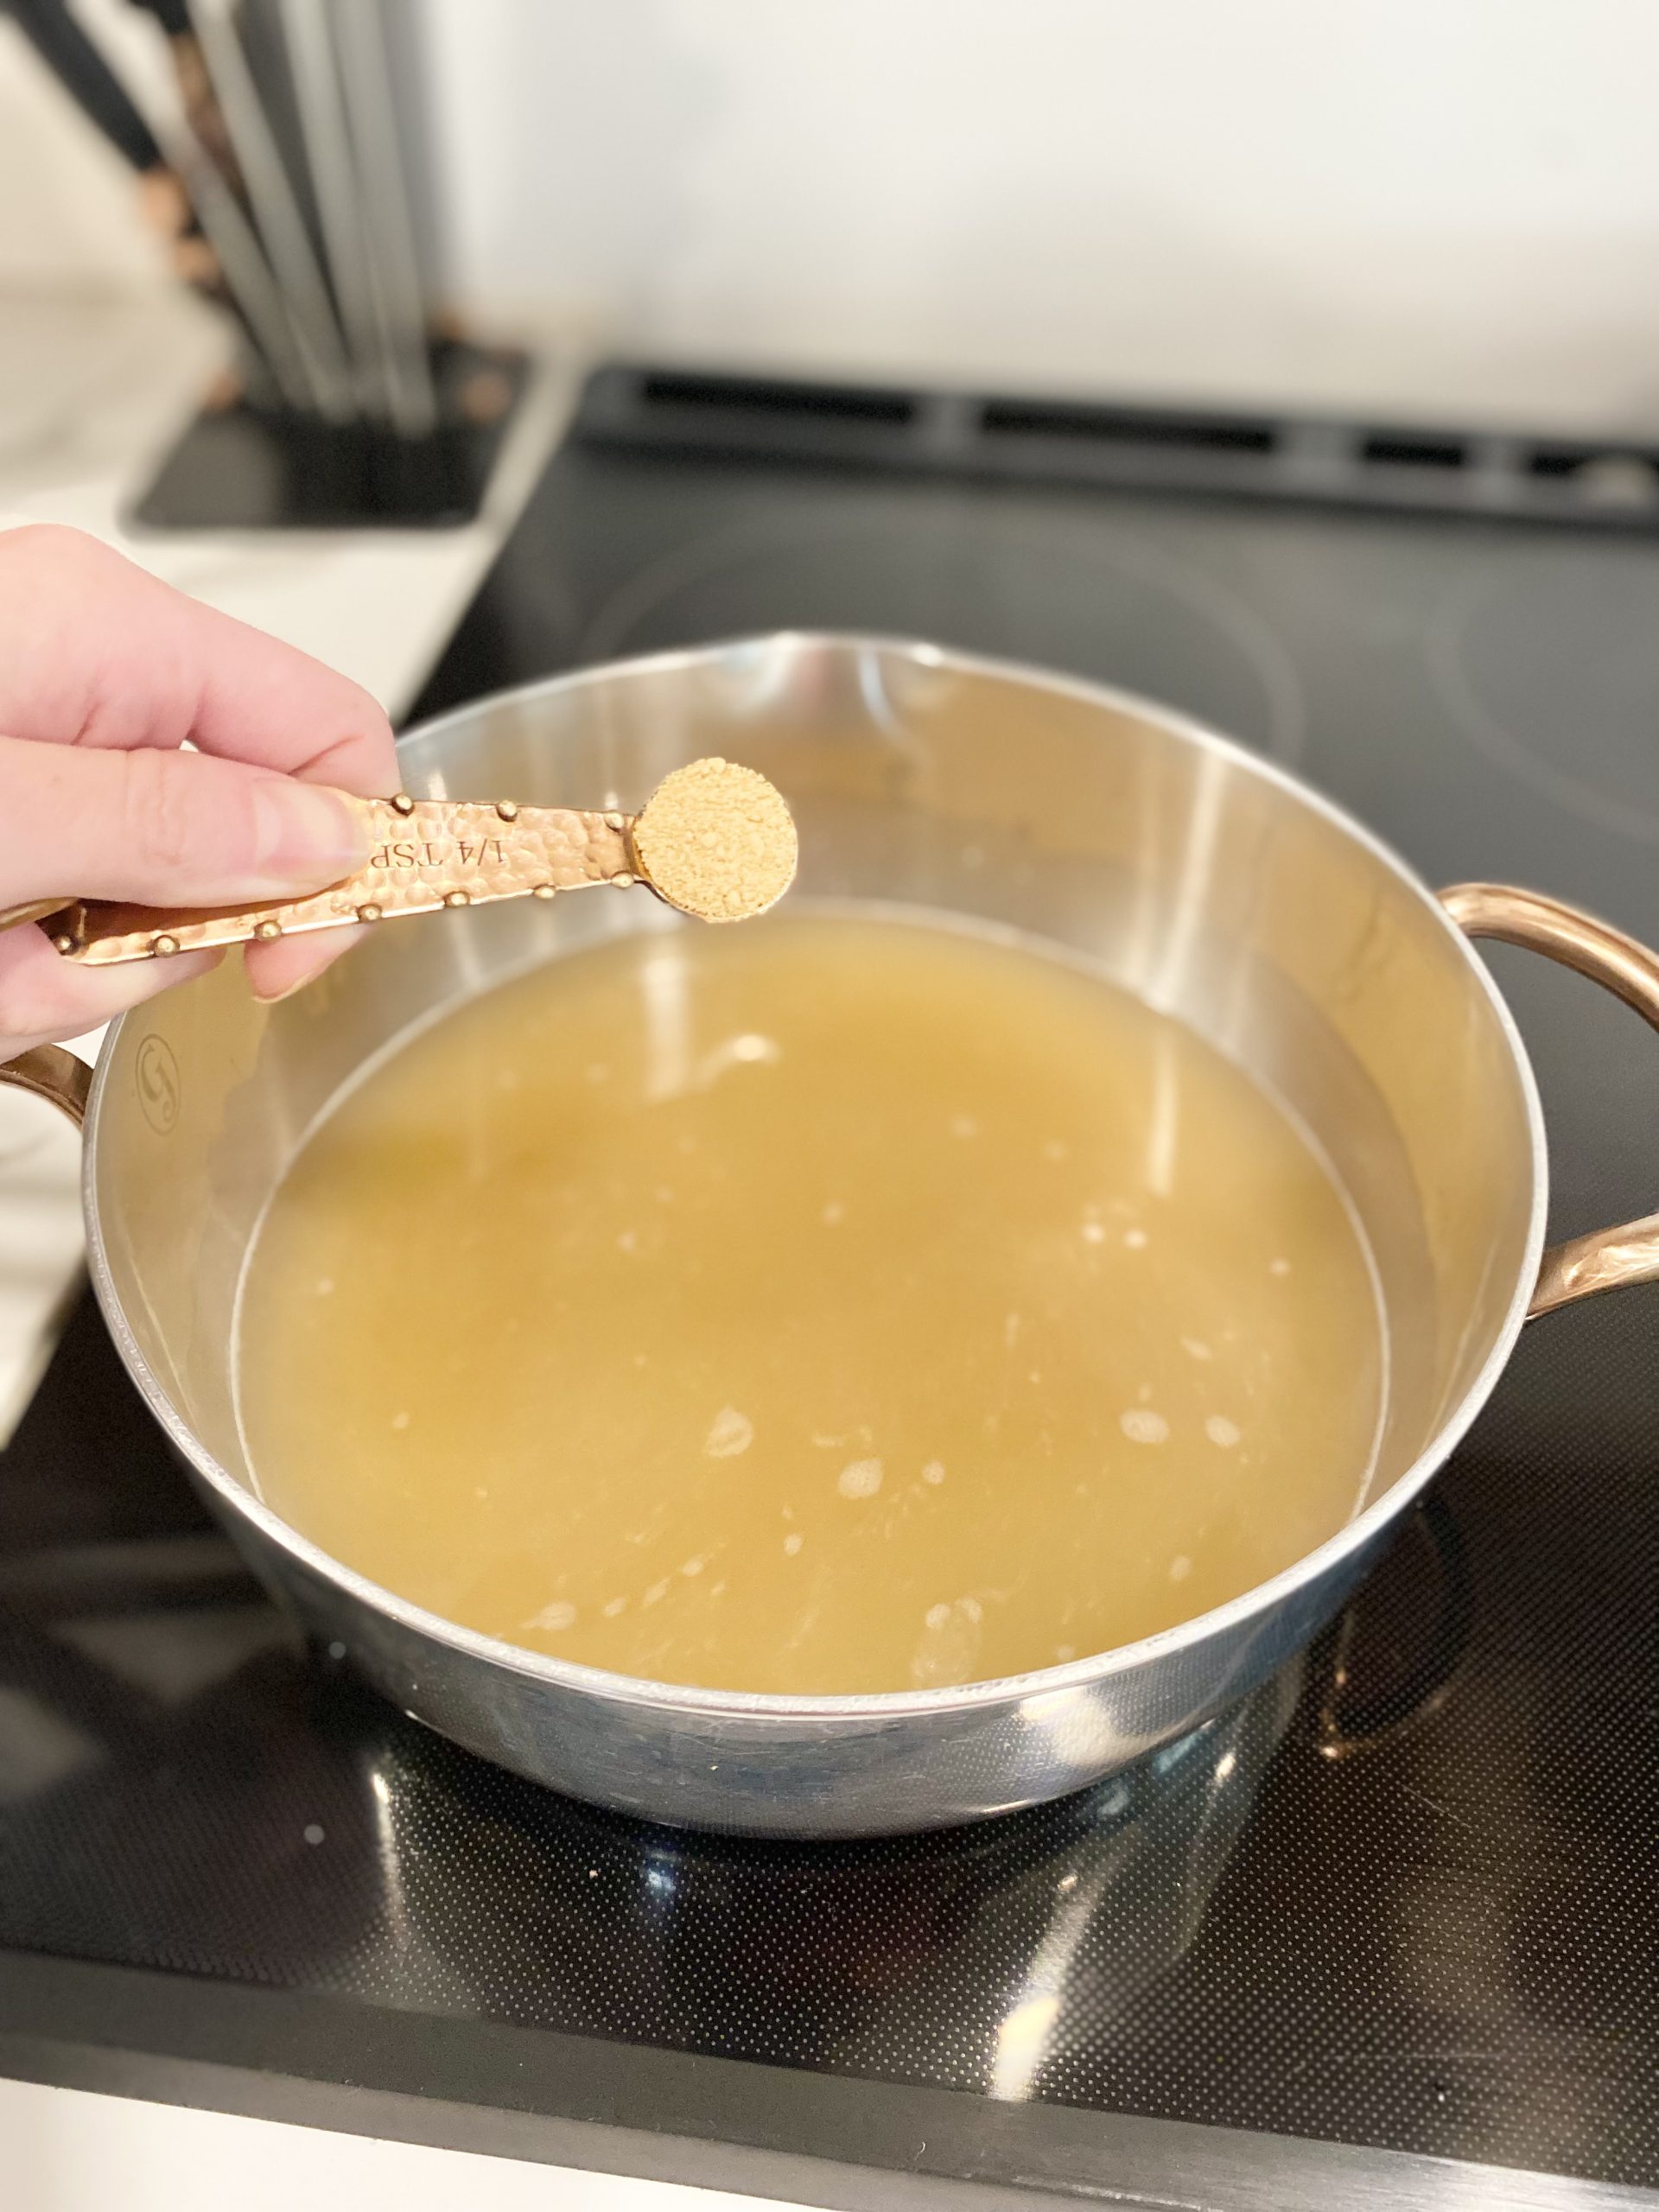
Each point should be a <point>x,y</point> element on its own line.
<point>255,465</point>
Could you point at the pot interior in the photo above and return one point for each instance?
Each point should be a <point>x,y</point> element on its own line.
<point>1210,887</point>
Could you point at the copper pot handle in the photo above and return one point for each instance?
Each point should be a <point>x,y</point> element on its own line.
<point>52,1073</point>
<point>1605,1259</point>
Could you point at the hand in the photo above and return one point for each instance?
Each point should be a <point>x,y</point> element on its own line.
<point>103,674</point>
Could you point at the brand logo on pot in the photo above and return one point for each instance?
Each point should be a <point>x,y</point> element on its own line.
<point>155,1077</point>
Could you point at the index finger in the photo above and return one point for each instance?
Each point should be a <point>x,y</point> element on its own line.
<point>96,651</point>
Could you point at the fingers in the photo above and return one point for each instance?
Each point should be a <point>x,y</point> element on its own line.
<point>97,653</point>
<point>105,672</point>
<point>44,997</point>
<point>165,829</point>
<point>274,971</point>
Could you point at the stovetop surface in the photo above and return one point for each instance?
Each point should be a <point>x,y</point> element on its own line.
<point>1405,1896</point>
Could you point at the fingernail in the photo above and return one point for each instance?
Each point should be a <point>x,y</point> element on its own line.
<point>324,956</point>
<point>276,998</point>
<point>306,835</point>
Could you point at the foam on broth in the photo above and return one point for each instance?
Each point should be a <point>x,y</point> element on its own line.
<point>831,1305</point>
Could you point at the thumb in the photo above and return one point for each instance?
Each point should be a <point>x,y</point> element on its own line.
<point>165,829</point>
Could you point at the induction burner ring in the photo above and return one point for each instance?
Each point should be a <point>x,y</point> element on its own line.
<point>1551,669</point>
<point>1103,603</point>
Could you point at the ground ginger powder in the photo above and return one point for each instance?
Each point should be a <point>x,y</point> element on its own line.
<point>717,841</point>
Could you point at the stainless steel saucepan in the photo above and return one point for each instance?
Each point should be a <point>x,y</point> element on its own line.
<point>1202,878</point>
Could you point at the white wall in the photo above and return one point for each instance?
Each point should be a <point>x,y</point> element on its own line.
<point>1437,205</point>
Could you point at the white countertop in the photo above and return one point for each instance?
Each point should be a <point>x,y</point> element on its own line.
<point>68,2150</point>
<point>92,393</point>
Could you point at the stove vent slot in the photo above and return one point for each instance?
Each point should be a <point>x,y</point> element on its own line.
<point>1125,427</point>
<point>1414,449</point>
<point>776,398</point>
<point>1556,462</point>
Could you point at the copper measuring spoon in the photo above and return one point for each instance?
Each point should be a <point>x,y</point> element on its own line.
<point>714,840</point>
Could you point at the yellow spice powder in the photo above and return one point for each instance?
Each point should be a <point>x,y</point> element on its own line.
<point>717,841</point>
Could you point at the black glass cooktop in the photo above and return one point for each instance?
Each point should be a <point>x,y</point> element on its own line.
<point>1403,1900</point>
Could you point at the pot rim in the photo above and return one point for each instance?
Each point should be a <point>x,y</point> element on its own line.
<point>886,1705</point>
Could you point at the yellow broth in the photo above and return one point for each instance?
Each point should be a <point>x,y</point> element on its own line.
<point>827,1305</point>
